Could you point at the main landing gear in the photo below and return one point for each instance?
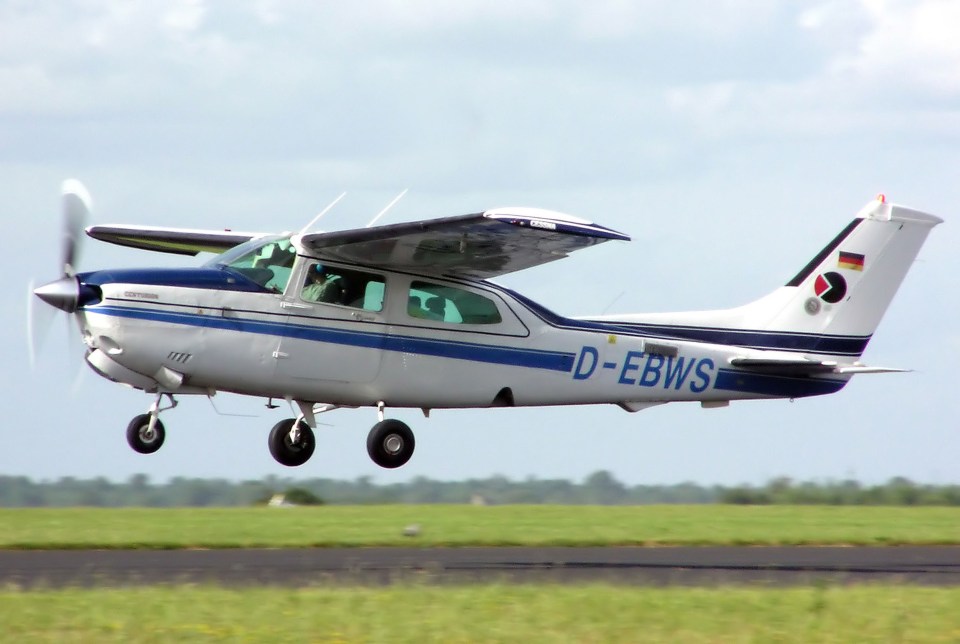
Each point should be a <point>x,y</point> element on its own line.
<point>390,442</point>
<point>291,442</point>
<point>145,433</point>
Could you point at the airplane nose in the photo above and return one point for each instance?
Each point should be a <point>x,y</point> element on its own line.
<point>64,294</point>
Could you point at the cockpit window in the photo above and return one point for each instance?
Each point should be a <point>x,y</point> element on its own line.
<point>268,261</point>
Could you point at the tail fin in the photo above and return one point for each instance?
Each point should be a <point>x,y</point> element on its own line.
<point>834,304</point>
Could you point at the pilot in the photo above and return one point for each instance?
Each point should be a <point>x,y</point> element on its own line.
<point>321,286</point>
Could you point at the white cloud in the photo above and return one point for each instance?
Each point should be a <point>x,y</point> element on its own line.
<point>184,15</point>
<point>911,43</point>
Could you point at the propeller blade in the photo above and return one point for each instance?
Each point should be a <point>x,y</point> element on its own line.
<point>38,324</point>
<point>76,212</point>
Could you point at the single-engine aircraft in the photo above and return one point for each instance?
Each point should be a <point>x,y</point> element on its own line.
<point>405,315</point>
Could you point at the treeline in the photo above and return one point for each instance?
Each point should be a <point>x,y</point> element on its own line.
<point>600,488</point>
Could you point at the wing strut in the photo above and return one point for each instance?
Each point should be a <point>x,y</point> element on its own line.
<point>333,203</point>
<point>388,207</point>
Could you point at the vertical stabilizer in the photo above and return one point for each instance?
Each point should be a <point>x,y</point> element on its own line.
<point>847,287</point>
<point>833,305</point>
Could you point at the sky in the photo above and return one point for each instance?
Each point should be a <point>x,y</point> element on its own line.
<point>730,139</point>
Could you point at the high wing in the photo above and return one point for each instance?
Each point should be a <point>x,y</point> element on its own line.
<point>481,245</point>
<point>179,241</point>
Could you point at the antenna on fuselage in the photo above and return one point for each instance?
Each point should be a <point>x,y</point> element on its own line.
<point>333,203</point>
<point>388,207</point>
<point>612,302</point>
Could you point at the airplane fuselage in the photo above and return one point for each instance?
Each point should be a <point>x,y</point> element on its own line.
<point>205,330</point>
<point>403,315</point>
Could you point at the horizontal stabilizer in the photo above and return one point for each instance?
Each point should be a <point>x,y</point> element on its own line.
<point>862,368</point>
<point>786,366</point>
<point>179,241</point>
<point>803,366</point>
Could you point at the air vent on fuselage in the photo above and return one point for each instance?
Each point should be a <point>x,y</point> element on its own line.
<point>179,357</point>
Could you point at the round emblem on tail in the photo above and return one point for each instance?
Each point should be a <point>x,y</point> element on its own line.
<point>812,306</point>
<point>831,287</point>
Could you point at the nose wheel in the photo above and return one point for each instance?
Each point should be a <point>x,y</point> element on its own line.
<point>390,443</point>
<point>145,433</point>
<point>145,437</point>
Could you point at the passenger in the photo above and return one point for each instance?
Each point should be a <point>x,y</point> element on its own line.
<point>436,307</point>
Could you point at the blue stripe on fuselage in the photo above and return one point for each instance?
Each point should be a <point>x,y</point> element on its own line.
<point>774,385</point>
<point>817,343</point>
<point>726,379</point>
<point>205,277</point>
<point>493,354</point>
<point>218,278</point>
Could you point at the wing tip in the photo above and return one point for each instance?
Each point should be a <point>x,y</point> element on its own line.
<point>553,221</point>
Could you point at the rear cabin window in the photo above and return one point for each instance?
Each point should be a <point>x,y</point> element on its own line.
<point>449,304</point>
<point>346,287</point>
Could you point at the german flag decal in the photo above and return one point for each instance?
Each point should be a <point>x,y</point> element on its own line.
<point>853,261</point>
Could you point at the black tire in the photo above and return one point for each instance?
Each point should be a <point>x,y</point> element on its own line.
<point>287,453</point>
<point>141,439</point>
<point>390,443</point>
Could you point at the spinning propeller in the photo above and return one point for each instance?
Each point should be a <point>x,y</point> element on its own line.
<point>66,293</point>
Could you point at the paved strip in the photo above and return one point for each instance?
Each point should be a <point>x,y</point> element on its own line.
<point>926,565</point>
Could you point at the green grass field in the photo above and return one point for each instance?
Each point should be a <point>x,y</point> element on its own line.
<point>449,525</point>
<point>486,613</point>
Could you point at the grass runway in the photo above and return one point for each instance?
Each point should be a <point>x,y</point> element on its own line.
<point>481,612</point>
<point>461,525</point>
<point>486,613</point>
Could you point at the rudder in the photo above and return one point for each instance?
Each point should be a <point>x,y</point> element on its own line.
<point>847,287</point>
<point>831,307</point>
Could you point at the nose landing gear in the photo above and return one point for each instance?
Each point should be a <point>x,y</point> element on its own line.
<point>146,433</point>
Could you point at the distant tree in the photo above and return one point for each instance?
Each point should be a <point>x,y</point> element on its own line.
<point>602,488</point>
<point>302,496</point>
<point>599,488</point>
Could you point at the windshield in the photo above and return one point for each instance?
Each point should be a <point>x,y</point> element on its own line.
<point>268,261</point>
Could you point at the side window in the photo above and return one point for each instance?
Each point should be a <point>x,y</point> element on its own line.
<point>428,301</point>
<point>343,286</point>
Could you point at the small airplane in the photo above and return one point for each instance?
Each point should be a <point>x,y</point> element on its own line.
<point>406,315</point>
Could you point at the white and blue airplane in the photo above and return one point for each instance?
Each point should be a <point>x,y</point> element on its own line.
<point>405,315</point>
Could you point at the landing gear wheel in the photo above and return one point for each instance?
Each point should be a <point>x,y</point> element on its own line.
<point>287,452</point>
<point>141,438</point>
<point>390,443</point>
